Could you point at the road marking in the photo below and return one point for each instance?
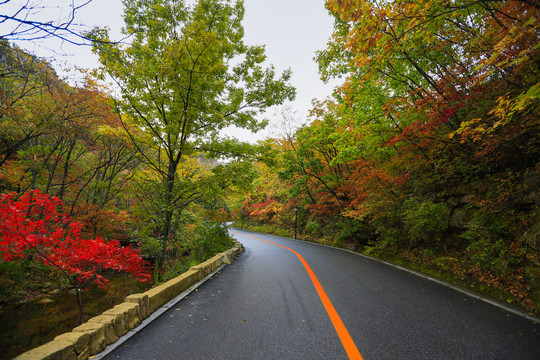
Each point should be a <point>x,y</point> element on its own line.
<point>344,336</point>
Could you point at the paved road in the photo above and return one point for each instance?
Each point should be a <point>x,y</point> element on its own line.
<point>265,306</point>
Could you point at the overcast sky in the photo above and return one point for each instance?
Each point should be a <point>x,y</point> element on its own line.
<point>292,30</point>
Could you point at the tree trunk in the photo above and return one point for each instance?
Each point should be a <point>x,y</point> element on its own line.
<point>80,304</point>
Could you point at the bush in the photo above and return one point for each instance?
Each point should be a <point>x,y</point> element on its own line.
<point>210,239</point>
<point>486,246</point>
<point>424,220</point>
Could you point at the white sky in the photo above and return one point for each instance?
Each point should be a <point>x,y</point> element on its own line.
<point>292,30</point>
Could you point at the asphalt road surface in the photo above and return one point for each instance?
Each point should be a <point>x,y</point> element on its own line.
<point>266,305</point>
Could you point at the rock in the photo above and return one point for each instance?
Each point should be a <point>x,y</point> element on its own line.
<point>97,340</point>
<point>21,293</point>
<point>120,320</point>
<point>531,179</point>
<point>79,340</point>
<point>532,197</point>
<point>467,199</point>
<point>460,189</point>
<point>110,332</point>
<point>142,300</point>
<point>459,218</point>
<point>350,246</point>
<point>85,354</point>
<point>56,349</point>
<point>55,291</point>
<point>47,284</point>
<point>54,287</point>
<point>133,317</point>
<point>45,301</point>
<point>532,237</point>
<point>453,201</point>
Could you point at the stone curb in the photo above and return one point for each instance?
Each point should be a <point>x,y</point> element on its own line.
<point>97,333</point>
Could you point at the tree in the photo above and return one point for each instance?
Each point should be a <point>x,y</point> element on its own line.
<point>186,76</point>
<point>22,76</point>
<point>23,20</point>
<point>64,140</point>
<point>33,228</point>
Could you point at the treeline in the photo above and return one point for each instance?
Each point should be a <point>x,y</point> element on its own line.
<point>64,140</point>
<point>428,151</point>
<point>67,142</point>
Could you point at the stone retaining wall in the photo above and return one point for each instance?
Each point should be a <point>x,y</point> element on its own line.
<point>93,336</point>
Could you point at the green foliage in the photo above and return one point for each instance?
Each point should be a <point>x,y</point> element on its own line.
<point>429,149</point>
<point>199,242</point>
<point>150,246</point>
<point>485,235</point>
<point>424,221</point>
<point>313,227</point>
<point>24,275</point>
<point>353,231</point>
<point>185,76</point>
<point>195,241</point>
<point>210,239</point>
<point>389,228</point>
<point>12,275</point>
<point>488,253</point>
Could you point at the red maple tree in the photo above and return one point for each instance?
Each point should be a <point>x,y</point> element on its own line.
<point>33,228</point>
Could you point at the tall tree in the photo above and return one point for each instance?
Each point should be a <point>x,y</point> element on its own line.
<point>187,75</point>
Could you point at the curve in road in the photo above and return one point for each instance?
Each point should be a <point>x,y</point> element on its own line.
<point>344,336</point>
<point>264,306</point>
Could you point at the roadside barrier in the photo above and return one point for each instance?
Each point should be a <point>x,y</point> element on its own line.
<point>98,332</point>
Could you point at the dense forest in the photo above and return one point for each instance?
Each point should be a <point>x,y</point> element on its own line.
<point>91,182</point>
<point>427,154</point>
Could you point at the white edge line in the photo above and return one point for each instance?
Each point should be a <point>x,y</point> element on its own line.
<point>110,348</point>
<point>424,276</point>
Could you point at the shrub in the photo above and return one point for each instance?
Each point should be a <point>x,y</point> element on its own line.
<point>424,220</point>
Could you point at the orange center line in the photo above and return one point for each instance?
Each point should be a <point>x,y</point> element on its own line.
<point>344,336</point>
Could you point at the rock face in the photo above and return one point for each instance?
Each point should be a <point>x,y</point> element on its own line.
<point>531,196</point>
<point>524,198</point>
<point>527,198</point>
<point>532,237</point>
